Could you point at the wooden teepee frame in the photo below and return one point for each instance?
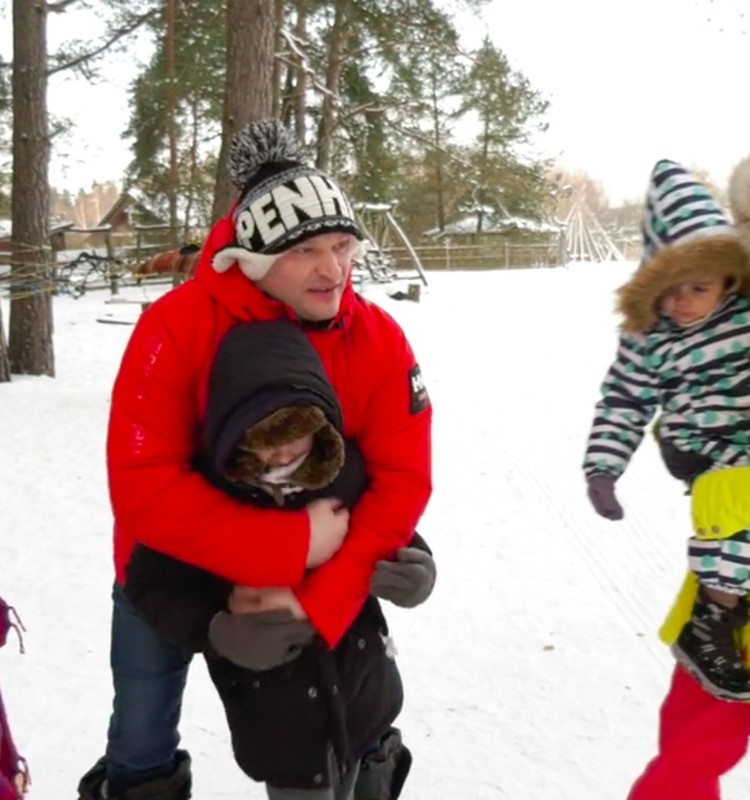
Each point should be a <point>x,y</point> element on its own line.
<point>585,237</point>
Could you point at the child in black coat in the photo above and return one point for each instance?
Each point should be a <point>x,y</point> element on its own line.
<point>302,716</point>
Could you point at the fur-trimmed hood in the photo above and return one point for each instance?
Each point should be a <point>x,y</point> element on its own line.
<point>721,255</point>
<point>319,468</point>
<point>267,388</point>
<point>685,233</point>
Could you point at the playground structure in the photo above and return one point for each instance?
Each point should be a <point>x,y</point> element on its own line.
<point>383,234</point>
<point>585,237</point>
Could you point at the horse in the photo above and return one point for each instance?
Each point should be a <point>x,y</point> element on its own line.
<point>179,261</point>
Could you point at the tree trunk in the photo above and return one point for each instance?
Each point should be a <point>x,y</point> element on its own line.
<point>438,148</point>
<point>4,358</point>
<point>339,35</point>
<point>173,180</point>
<point>30,326</point>
<point>301,81</point>
<point>277,69</point>
<point>248,94</point>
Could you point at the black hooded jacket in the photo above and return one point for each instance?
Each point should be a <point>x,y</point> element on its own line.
<point>282,720</point>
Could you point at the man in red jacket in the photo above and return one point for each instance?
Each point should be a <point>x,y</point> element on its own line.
<point>285,251</point>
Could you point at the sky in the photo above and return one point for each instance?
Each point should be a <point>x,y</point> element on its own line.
<point>629,83</point>
<point>533,671</point>
<point>633,82</point>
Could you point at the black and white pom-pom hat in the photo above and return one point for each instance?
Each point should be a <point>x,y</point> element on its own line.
<point>282,200</point>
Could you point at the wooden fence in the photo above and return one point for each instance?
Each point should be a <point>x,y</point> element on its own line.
<point>502,255</point>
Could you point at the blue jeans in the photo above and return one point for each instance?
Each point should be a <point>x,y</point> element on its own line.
<point>148,675</point>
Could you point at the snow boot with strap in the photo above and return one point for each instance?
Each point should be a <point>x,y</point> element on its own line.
<point>383,772</point>
<point>93,785</point>
<point>709,648</point>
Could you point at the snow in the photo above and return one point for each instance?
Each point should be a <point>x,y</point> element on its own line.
<point>533,671</point>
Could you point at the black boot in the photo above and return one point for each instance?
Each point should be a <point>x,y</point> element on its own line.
<point>382,773</point>
<point>177,786</point>
<point>708,647</point>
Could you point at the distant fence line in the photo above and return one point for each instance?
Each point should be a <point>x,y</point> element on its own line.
<point>502,255</point>
<point>445,255</point>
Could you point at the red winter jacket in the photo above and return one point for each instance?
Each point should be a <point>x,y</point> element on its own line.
<point>158,402</point>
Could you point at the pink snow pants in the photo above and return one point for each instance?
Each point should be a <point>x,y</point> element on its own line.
<point>700,738</point>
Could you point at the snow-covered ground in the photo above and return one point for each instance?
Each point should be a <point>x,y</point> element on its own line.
<point>534,670</point>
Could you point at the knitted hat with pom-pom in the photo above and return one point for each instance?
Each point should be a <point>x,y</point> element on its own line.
<point>282,200</point>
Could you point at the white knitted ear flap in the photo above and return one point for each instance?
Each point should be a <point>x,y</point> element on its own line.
<point>254,265</point>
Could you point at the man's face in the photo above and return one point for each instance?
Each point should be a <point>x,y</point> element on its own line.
<point>310,277</point>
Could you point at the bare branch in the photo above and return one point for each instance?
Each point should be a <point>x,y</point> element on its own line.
<point>60,6</point>
<point>417,136</point>
<point>115,36</point>
<point>298,60</point>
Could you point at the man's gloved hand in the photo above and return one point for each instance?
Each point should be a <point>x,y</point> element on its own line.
<point>408,581</point>
<point>259,641</point>
<point>601,491</point>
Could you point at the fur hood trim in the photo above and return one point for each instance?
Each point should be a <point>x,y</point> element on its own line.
<point>283,426</point>
<point>721,255</point>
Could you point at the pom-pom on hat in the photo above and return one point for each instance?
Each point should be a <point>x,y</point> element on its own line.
<point>685,233</point>
<point>282,200</point>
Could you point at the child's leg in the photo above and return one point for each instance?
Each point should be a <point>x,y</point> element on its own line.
<point>383,768</point>
<point>722,563</point>
<point>700,739</point>
<point>342,787</point>
<point>709,645</point>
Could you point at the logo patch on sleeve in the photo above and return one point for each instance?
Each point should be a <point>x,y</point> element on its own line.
<point>418,398</point>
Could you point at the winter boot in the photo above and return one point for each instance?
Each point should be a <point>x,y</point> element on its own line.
<point>93,785</point>
<point>382,772</point>
<point>708,647</point>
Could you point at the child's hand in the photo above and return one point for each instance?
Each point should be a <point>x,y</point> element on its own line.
<point>259,641</point>
<point>601,491</point>
<point>22,781</point>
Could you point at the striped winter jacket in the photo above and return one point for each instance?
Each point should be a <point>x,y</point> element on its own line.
<point>699,376</point>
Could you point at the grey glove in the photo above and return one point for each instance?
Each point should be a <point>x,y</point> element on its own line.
<point>601,491</point>
<point>408,581</point>
<point>259,641</point>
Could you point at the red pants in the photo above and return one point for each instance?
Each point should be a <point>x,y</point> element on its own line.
<point>700,738</point>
